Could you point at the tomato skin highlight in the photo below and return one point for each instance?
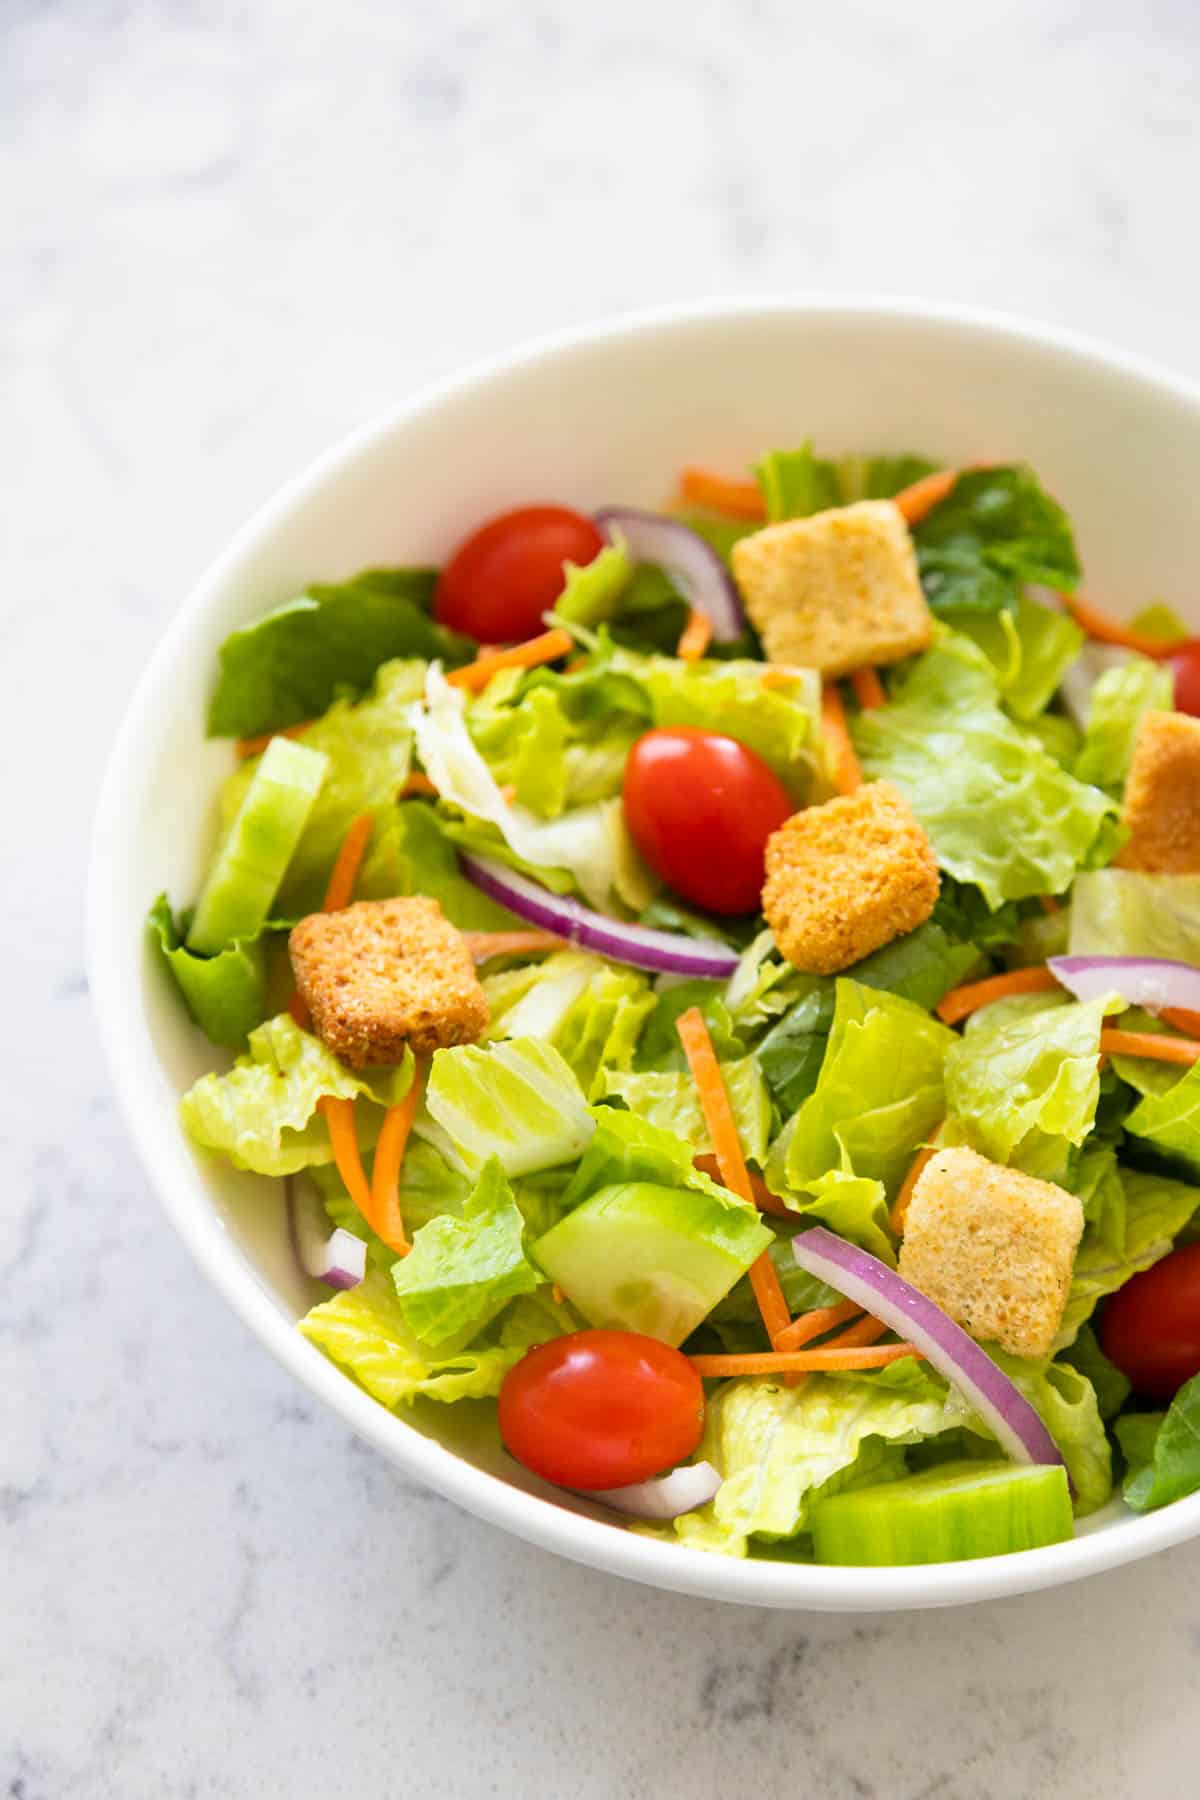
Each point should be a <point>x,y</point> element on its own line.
<point>1151,1326</point>
<point>1185,664</point>
<point>502,578</point>
<point>601,1409</point>
<point>700,808</point>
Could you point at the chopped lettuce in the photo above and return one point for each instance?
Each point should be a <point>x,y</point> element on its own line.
<point>428,1188</point>
<point>779,723</point>
<point>593,591</point>
<point>796,483</point>
<point>1162,1451</point>
<point>997,530</point>
<point>263,1113</point>
<point>1156,1211</point>
<point>659,1046</point>
<point>536,1318</point>
<point>225,994</point>
<point>1168,1114</point>
<point>1066,1401</point>
<point>793,1050</point>
<point>1121,912</point>
<point>365,1332</point>
<point>462,1271</point>
<point>627,1147</point>
<point>589,1010</point>
<point>411,854</point>
<point>1029,646</point>
<point>854,1206</point>
<point>1111,1388</point>
<point>516,1100</point>
<point>524,745</point>
<point>762,986</point>
<point>999,811</point>
<point>1119,699</point>
<point>668,1098</point>
<point>290,665</point>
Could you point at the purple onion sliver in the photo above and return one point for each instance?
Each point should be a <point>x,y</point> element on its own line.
<point>661,952</point>
<point>693,564</point>
<point>1150,981</point>
<point>863,1278</point>
<point>663,1497</point>
<point>337,1258</point>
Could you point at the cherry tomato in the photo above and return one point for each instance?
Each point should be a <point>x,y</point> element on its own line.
<point>1151,1326</point>
<point>701,808</point>
<point>503,577</point>
<point>1186,664</point>
<point>599,1409</point>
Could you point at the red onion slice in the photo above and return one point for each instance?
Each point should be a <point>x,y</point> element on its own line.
<point>665,1497</point>
<point>880,1291</point>
<point>664,952</point>
<point>1149,981</point>
<point>337,1258</point>
<point>693,565</point>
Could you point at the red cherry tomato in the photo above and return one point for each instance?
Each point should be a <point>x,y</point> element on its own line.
<point>1151,1326</point>
<point>701,808</point>
<point>503,577</point>
<point>1186,664</point>
<point>599,1409</point>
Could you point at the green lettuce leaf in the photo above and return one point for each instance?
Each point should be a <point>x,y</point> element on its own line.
<point>668,1099</point>
<point>1024,1071</point>
<point>659,1046</point>
<point>779,723</point>
<point>536,1318</point>
<point>996,531</point>
<point>593,591</point>
<point>1067,1404</point>
<point>1162,1451</point>
<point>1119,699</point>
<point>365,1332</point>
<point>721,532</point>
<point>461,1272</point>
<point>524,745</point>
<point>796,483</point>
<point>589,1010</point>
<point>263,1113</point>
<point>880,477</point>
<point>516,1100</point>
<point>225,994</point>
<point>1111,1388</point>
<point>999,811</point>
<point>1156,1211</point>
<point>1029,646</point>
<point>1121,912</point>
<point>428,1188</point>
<point>1158,620</point>
<point>852,1205</point>
<point>1168,1114</point>
<point>411,854</point>
<point>293,663</point>
<point>627,1147</point>
<point>762,986</point>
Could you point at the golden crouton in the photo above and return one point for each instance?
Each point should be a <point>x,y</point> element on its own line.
<point>836,591</point>
<point>384,974</point>
<point>994,1248</point>
<point>1162,796</point>
<point>846,877</point>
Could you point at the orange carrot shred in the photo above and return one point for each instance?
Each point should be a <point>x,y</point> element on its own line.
<point>1150,1045</point>
<point>695,637</point>
<point>741,499</point>
<point>1182,1019</point>
<point>815,1324</point>
<point>963,1000</point>
<point>869,691</point>
<point>722,1129</point>
<point>915,1170</point>
<point>864,1331</point>
<point>803,1362</point>
<point>252,746</point>
<point>485,944</point>
<point>344,873</point>
<point>339,1117</point>
<point>918,500</point>
<point>556,1294</point>
<point>385,1218</point>
<point>847,774</point>
<point>417,783</point>
<point>1106,630</point>
<point>547,647</point>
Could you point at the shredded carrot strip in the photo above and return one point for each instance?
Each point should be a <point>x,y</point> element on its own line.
<point>252,746</point>
<point>557,1294</point>
<point>847,775</point>
<point>1049,904</point>
<point>1182,1019</point>
<point>917,501</point>
<point>418,784</point>
<point>485,944</point>
<point>963,1000</point>
<point>546,648</point>
<point>344,874</point>
<point>1150,1045</point>
<point>1107,630</point>
<point>761,1194</point>
<point>865,1331</point>
<point>803,1362</point>
<point>916,1167</point>
<point>722,1129</point>
<point>815,1324</point>
<point>695,637</point>
<point>339,1117</point>
<point>385,1218</point>
<point>740,498</point>
<point>869,691</point>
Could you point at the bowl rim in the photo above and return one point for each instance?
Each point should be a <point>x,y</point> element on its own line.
<point>132,1061</point>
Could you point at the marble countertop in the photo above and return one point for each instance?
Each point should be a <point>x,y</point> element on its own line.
<point>232,232</point>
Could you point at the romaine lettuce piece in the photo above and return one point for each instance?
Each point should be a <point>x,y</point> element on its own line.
<point>225,994</point>
<point>524,745</point>
<point>1121,912</point>
<point>1162,1451</point>
<point>855,1206</point>
<point>642,1257</point>
<point>1066,1401</point>
<point>1168,1114</point>
<point>1156,1211</point>
<point>593,592</point>
<point>1111,1388</point>
<point>627,1147</point>
<point>290,665</point>
<point>428,1189</point>
<point>668,1098</point>
<point>461,1272</point>
<point>781,724</point>
<point>659,1046</point>
<point>516,1100</point>
<point>1024,1071</point>
<point>999,811</point>
<point>409,853</point>
<point>365,1332</point>
<point>997,530</point>
<point>263,1113</point>
<point>590,1011</point>
<point>1029,646</point>
<point>1119,699</point>
<point>796,483</point>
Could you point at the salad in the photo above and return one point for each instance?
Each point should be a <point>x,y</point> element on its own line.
<point>720,988</point>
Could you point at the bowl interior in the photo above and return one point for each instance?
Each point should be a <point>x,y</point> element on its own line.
<point>595,418</point>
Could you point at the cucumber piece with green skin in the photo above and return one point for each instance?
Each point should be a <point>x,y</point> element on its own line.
<point>951,1513</point>
<point>236,900</point>
<point>640,1257</point>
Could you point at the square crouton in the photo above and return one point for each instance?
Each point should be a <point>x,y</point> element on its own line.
<point>846,877</point>
<point>1162,796</point>
<point>836,591</point>
<point>994,1248</point>
<point>384,974</point>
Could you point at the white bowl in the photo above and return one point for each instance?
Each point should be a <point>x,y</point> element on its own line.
<point>608,413</point>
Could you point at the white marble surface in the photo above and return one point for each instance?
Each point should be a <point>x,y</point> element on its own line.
<point>229,233</point>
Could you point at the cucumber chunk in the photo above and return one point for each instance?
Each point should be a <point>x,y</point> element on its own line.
<point>950,1513</point>
<point>250,864</point>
